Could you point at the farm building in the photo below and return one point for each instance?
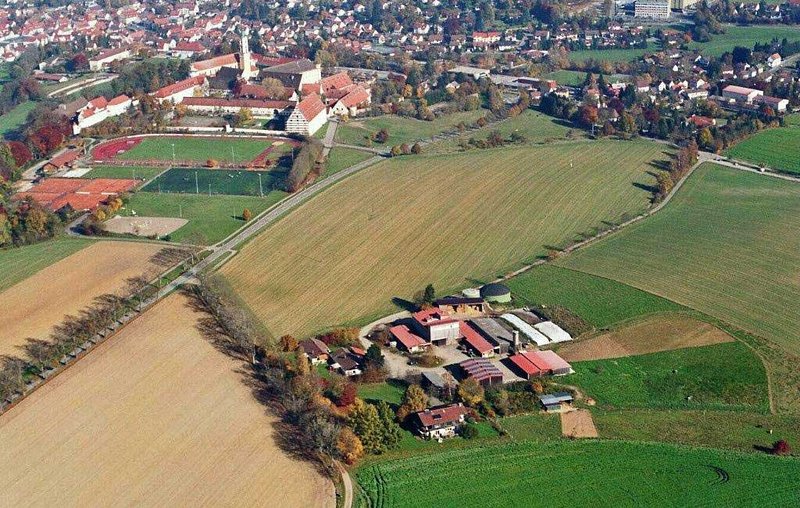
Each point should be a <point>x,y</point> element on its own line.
<point>408,341</point>
<point>555,402</point>
<point>495,333</point>
<point>438,385</point>
<point>462,305</point>
<point>440,422</point>
<point>475,342</point>
<point>496,293</point>
<point>482,371</point>
<point>307,117</point>
<point>553,332</point>
<point>533,364</point>
<point>315,350</point>
<point>527,330</point>
<point>437,327</point>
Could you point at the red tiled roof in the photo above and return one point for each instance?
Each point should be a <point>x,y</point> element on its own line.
<point>474,339</point>
<point>98,102</point>
<point>235,103</point>
<point>539,362</point>
<point>358,96</point>
<point>441,415</point>
<point>120,99</point>
<point>405,337</point>
<point>64,159</point>
<point>190,46</point>
<point>180,86</point>
<point>310,107</point>
<point>336,81</point>
<point>432,316</point>
<point>81,194</point>
<point>217,61</point>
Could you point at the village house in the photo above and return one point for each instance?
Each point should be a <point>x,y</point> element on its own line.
<point>315,350</point>
<point>102,60</point>
<point>346,362</point>
<point>440,422</point>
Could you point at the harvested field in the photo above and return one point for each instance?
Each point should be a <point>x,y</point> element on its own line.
<point>448,220</point>
<point>144,226</point>
<point>156,416</point>
<point>578,424</point>
<point>656,334</point>
<point>33,306</point>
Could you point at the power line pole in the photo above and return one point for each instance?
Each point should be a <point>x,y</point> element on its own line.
<point>260,188</point>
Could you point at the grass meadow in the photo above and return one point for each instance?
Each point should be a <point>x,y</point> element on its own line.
<point>746,36</point>
<point>342,158</point>
<point>575,473</point>
<point>722,376</point>
<point>199,149</point>
<point>17,264</point>
<point>608,55</point>
<point>401,129</point>
<point>726,245</point>
<point>12,120</point>
<point>448,220</point>
<point>776,148</point>
<point>211,219</point>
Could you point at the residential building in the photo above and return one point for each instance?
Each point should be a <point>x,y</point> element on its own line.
<point>440,422</point>
<point>346,362</point>
<point>102,60</point>
<point>315,350</point>
<point>655,9</point>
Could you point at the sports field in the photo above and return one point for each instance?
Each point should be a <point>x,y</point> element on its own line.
<point>154,416</point>
<point>33,306</point>
<point>401,129</point>
<point>198,149</point>
<point>721,376</point>
<point>215,181</point>
<point>582,473</point>
<point>448,220</point>
<point>19,263</point>
<point>728,244</point>
<point>210,218</point>
<point>776,148</point>
<point>132,172</point>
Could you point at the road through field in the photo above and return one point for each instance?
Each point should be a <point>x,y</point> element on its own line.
<point>33,306</point>
<point>155,416</point>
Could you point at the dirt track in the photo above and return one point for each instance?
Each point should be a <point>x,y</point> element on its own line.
<point>154,416</point>
<point>650,336</point>
<point>578,424</point>
<point>32,307</point>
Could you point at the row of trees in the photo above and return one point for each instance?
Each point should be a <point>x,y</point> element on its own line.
<point>306,164</point>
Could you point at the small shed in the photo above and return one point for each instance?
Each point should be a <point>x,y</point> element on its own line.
<point>496,293</point>
<point>554,402</point>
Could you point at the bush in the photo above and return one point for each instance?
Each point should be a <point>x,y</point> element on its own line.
<point>469,431</point>
<point>247,215</point>
<point>781,448</point>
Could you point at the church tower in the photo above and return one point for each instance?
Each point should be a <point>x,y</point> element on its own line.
<point>245,61</point>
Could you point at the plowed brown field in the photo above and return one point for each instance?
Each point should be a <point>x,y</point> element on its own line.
<point>155,416</point>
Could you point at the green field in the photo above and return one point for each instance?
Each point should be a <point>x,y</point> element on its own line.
<point>342,158</point>
<point>609,55</point>
<point>392,391</point>
<point>19,263</point>
<point>211,219</point>
<point>449,220</point>
<point>727,245</point>
<point>722,376</point>
<point>215,182</point>
<point>599,301</point>
<point>577,78</point>
<point>581,473</point>
<point>401,129</point>
<point>200,149</point>
<point>776,148</point>
<point>746,36</point>
<point>146,173</point>
<point>12,120</point>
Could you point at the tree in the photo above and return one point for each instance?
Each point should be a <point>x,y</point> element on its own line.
<point>781,447</point>
<point>349,446</point>
<point>429,294</point>
<point>414,399</point>
<point>470,391</point>
<point>247,215</point>
<point>374,357</point>
<point>395,151</point>
<point>366,424</point>
<point>392,434</point>
<point>469,431</point>
<point>245,116</point>
<point>416,149</point>
<point>587,115</point>
<point>274,88</point>
<point>348,396</point>
<point>288,343</point>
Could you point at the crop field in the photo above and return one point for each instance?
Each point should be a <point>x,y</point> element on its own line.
<point>401,129</point>
<point>154,416</point>
<point>608,473</point>
<point>215,181</point>
<point>599,301</point>
<point>12,120</point>
<point>33,306</point>
<point>746,36</point>
<point>776,148</point>
<point>211,219</point>
<point>726,245</point>
<point>448,220</point>
<point>721,376</point>
<point>342,158</point>
<point>652,335</point>
<point>19,263</point>
<point>146,173</point>
<point>228,150</point>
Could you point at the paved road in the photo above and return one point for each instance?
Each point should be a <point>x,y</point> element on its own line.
<point>330,136</point>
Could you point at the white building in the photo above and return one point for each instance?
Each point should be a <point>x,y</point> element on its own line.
<point>179,91</point>
<point>307,117</point>
<point>106,57</point>
<point>655,9</point>
<point>100,109</point>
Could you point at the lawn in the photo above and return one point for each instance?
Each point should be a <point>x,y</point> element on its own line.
<point>20,263</point>
<point>776,148</point>
<point>137,172</point>
<point>599,301</point>
<point>342,158</point>
<point>401,129</point>
<point>391,391</point>
<point>722,376</point>
<point>452,220</point>
<point>581,473</point>
<point>726,245</point>
<point>211,219</point>
<point>216,181</point>
<point>567,78</point>
<point>746,36</point>
<point>199,149</point>
<point>609,55</point>
<point>12,120</point>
